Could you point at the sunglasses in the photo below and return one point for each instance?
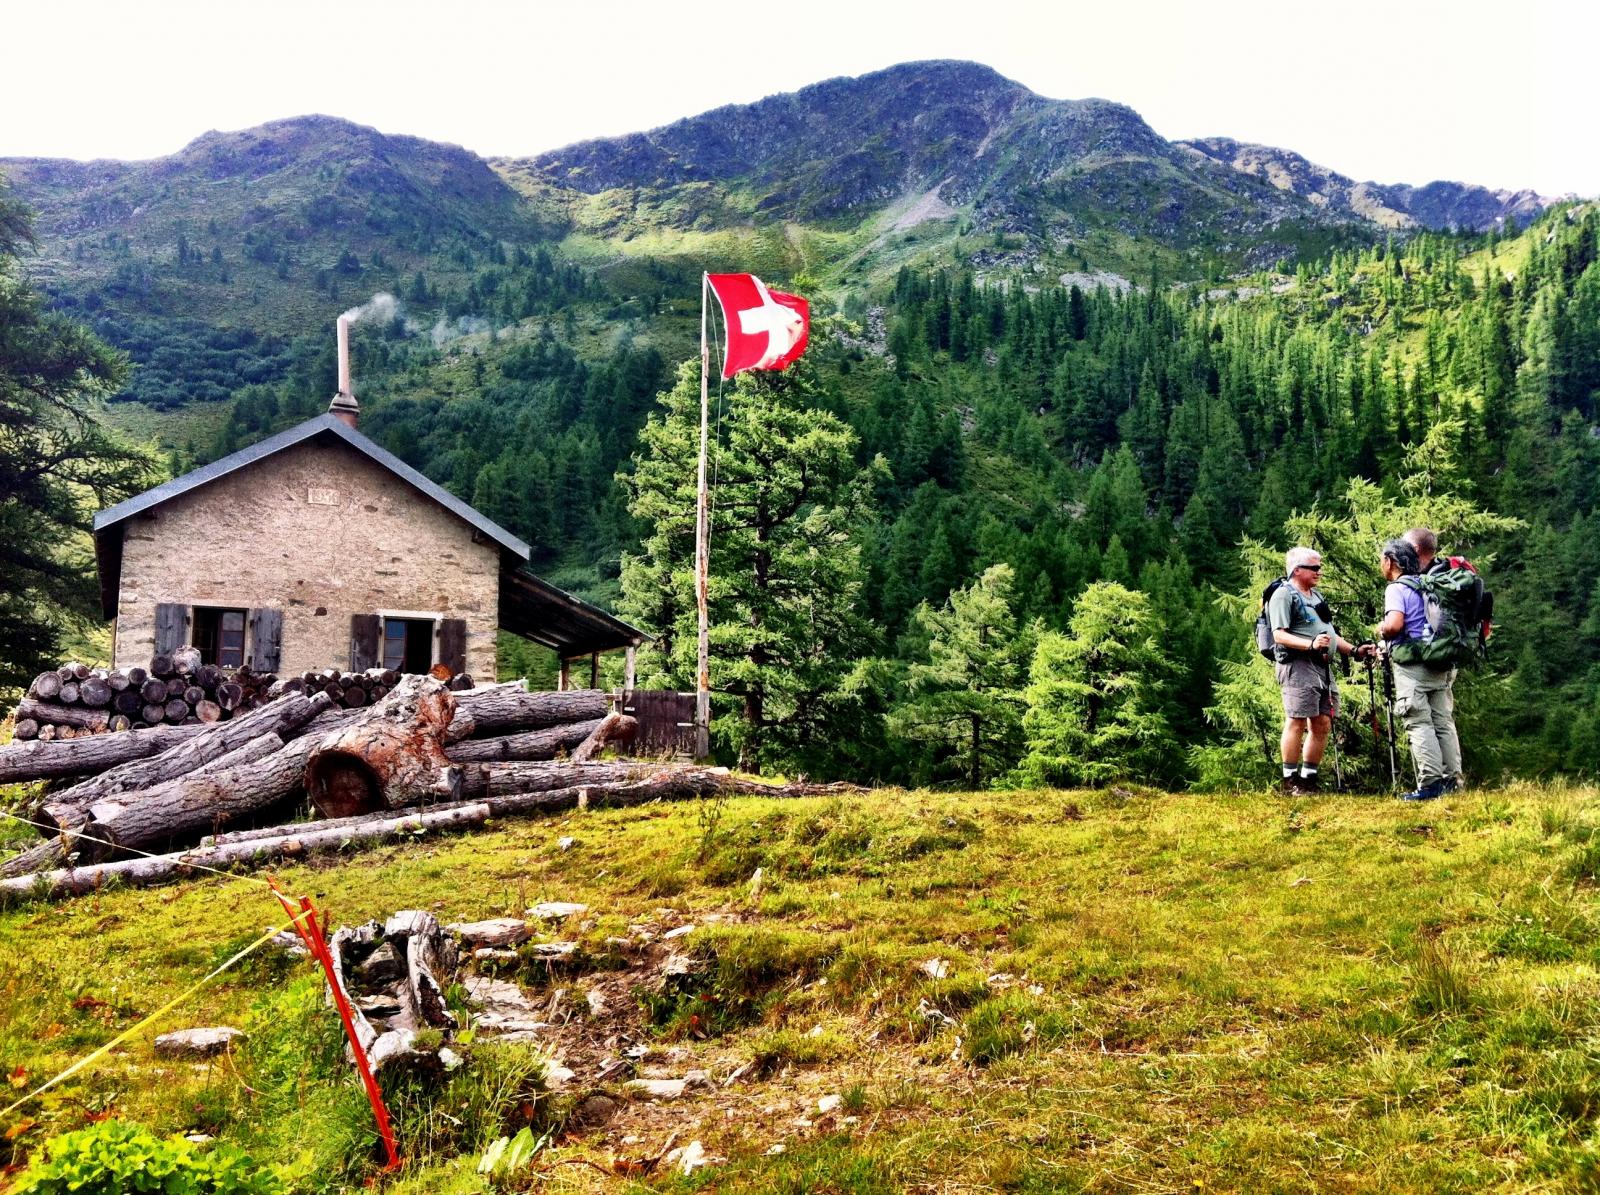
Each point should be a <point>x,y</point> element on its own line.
<point>1310,568</point>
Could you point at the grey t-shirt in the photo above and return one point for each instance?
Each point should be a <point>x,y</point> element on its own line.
<point>1288,611</point>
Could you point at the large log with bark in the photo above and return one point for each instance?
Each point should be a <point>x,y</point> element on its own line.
<point>75,716</point>
<point>54,850</point>
<point>78,757</point>
<point>207,799</point>
<point>546,743</point>
<point>503,779</point>
<point>502,707</point>
<point>282,717</point>
<point>389,756</point>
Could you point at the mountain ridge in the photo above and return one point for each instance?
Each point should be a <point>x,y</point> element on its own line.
<point>1440,204</point>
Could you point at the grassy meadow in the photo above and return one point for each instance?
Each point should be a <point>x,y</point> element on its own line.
<point>1032,991</point>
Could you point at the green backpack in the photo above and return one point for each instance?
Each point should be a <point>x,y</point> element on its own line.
<point>1453,600</point>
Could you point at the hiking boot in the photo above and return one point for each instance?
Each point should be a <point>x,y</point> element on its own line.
<point>1426,792</point>
<point>1289,786</point>
<point>1309,784</point>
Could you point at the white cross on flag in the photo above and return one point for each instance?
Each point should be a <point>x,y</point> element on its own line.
<point>767,329</point>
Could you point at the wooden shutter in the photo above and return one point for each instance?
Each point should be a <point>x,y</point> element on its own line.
<point>172,622</point>
<point>365,631</point>
<point>453,644</point>
<point>266,638</point>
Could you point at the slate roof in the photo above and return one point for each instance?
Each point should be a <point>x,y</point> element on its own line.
<point>301,432</point>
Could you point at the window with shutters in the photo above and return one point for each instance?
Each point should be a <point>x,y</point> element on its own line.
<point>408,644</point>
<point>219,634</point>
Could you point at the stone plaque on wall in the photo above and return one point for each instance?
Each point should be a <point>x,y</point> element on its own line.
<point>322,497</point>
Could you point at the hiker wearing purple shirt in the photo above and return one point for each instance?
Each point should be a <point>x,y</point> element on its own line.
<point>1423,698</point>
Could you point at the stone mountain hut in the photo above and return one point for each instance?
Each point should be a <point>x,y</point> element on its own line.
<point>315,548</point>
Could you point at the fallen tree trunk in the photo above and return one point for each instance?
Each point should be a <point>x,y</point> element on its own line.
<point>296,840</point>
<point>613,728</point>
<point>53,851</point>
<point>531,745</point>
<point>74,757</point>
<point>503,779</point>
<point>76,716</point>
<point>543,744</point>
<point>211,741</point>
<point>207,799</point>
<point>504,707</point>
<point>389,756</point>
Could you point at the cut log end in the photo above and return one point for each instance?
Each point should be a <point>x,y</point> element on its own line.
<point>342,785</point>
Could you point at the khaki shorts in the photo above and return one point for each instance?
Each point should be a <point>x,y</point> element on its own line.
<point>1309,690</point>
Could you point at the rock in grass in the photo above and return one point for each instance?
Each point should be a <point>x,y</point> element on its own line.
<point>497,931</point>
<point>196,1043</point>
<point>594,1110</point>
<point>657,1089</point>
<point>557,910</point>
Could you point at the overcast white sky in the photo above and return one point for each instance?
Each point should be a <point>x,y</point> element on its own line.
<point>1500,94</point>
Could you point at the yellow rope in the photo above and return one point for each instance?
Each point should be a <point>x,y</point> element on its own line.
<point>69,835</point>
<point>162,1011</point>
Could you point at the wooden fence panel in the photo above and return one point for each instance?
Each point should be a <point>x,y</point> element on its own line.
<point>666,722</point>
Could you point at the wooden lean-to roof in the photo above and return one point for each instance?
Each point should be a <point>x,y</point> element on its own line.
<point>529,607</point>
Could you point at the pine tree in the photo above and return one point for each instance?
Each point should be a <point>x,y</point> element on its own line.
<point>1093,697</point>
<point>964,700</point>
<point>57,465</point>
<point>786,570</point>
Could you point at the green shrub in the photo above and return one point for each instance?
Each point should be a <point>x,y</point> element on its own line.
<point>115,1156</point>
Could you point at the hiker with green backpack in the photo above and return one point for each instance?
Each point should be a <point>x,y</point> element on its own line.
<point>1432,609</point>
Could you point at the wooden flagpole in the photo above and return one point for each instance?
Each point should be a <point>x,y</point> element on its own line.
<point>702,548</point>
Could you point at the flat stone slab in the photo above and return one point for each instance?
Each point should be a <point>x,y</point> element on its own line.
<point>196,1043</point>
<point>557,910</point>
<point>497,931</point>
<point>657,1089</point>
<point>497,995</point>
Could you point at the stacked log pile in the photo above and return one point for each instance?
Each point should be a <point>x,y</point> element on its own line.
<point>76,701</point>
<point>352,690</point>
<point>414,754</point>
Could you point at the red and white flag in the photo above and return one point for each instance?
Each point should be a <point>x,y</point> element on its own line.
<point>767,329</point>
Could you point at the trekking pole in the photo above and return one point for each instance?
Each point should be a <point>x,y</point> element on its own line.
<point>1388,706</point>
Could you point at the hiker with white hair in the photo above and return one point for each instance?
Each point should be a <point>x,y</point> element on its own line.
<point>1305,640</point>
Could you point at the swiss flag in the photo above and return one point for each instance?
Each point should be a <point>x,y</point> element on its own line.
<point>767,329</point>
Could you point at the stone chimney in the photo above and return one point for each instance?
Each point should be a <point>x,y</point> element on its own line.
<point>344,403</point>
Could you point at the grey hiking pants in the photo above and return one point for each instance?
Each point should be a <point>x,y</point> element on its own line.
<point>1423,701</point>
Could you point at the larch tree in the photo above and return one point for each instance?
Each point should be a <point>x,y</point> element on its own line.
<point>964,699</point>
<point>1094,695</point>
<point>789,506</point>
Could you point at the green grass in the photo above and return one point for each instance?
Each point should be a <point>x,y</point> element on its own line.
<point>1164,993</point>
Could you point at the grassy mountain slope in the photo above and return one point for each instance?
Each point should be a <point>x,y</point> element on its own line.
<point>1024,991</point>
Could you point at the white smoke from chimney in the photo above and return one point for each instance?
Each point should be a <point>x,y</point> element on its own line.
<point>383,306</point>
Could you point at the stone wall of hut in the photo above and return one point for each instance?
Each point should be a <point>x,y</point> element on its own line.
<point>319,532</point>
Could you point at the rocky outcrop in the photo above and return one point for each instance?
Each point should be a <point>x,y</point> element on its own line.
<point>1437,205</point>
